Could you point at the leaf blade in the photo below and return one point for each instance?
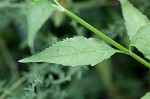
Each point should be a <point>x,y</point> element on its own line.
<point>134,19</point>
<point>37,15</point>
<point>72,52</point>
<point>146,96</point>
<point>141,40</point>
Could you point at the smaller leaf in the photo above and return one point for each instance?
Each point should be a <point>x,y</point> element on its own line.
<point>134,19</point>
<point>142,40</point>
<point>38,13</point>
<point>73,52</point>
<point>146,96</point>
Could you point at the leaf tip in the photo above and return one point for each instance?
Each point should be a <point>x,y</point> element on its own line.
<point>20,61</point>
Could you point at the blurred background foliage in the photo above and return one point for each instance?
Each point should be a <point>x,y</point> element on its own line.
<point>119,77</point>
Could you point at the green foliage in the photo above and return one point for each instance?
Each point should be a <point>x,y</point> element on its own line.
<point>141,40</point>
<point>51,59</point>
<point>52,81</point>
<point>72,52</point>
<point>36,0</point>
<point>38,13</point>
<point>147,96</point>
<point>134,19</point>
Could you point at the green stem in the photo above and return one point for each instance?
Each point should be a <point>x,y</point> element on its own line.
<point>141,60</point>
<point>117,45</point>
<point>94,30</point>
<point>13,87</point>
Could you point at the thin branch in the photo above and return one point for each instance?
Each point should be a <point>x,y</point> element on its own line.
<point>13,87</point>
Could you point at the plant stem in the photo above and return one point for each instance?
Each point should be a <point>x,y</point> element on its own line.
<point>111,41</point>
<point>141,60</point>
<point>94,30</point>
<point>13,87</point>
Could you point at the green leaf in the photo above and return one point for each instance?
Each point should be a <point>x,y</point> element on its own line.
<point>73,52</point>
<point>38,13</point>
<point>134,19</point>
<point>147,96</point>
<point>142,40</point>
